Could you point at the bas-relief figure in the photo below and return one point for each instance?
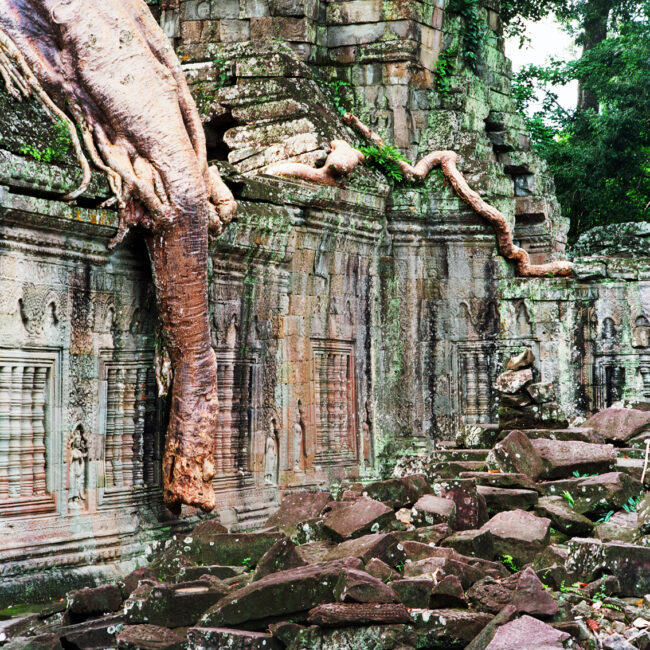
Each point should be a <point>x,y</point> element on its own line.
<point>78,455</point>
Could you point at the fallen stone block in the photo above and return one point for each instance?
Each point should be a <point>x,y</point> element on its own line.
<point>522,360</point>
<point>596,495</point>
<point>231,549</point>
<point>500,499</point>
<point>200,638</point>
<point>478,543</point>
<point>377,637</point>
<point>524,590</point>
<point>513,381</point>
<point>541,392</point>
<point>582,434</point>
<point>395,492</point>
<point>94,633</point>
<point>280,557</point>
<point>280,593</point>
<point>447,629</point>
<point>528,632</point>
<point>309,531</point>
<point>132,580</point>
<point>285,631</point>
<point>39,642</point>
<point>448,592</point>
<point>519,533</point>
<point>430,510</point>
<point>380,546</point>
<point>363,516</point>
<point>189,573</point>
<point>471,509</point>
<point>340,614</point>
<point>149,637</point>
<point>619,425</point>
<point>629,563</point>
<point>93,601</point>
<point>516,454</point>
<point>360,587</point>
<point>378,569</point>
<point>206,529</point>
<point>413,592</point>
<point>549,415</point>
<point>563,517</point>
<point>560,458</point>
<point>502,479</point>
<point>315,551</point>
<point>425,534</point>
<point>297,507</point>
<point>173,605</point>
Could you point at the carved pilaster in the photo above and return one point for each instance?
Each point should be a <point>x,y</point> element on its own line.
<point>5,429</point>
<point>38,425</point>
<point>26,434</point>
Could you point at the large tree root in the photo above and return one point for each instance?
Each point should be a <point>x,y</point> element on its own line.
<point>344,158</point>
<point>107,69</point>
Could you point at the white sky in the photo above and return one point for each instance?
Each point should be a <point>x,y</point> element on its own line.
<point>546,39</point>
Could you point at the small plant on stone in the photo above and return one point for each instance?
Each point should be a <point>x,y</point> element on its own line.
<point>384,159</point>
<point>248,563</point>
<point>509,563</point>
<point>573,589</point>
<point>444,71</point>
<point>631,504</point>
<point>400,566</point>
<point>569,498</point>
<point>606,517</point>
<point>222,69</point>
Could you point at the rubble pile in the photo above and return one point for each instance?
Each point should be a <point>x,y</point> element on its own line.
<point>541,541</point>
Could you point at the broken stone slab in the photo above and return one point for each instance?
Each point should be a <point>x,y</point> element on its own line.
<point>519,533</point>
<point>448,592</point>
<point>308,531</point>
<point>426,534</point>
<point>280,593</point>
<point>377,637</point>
<point>232,549</point>
<point>430,510</point>
<point>39,642</point>
<point>132,580</point>
<point>447,629</point>
<point>281,556</point>
<point>643,515</point>
<point>483,638</point>
<point>149,637</point>
<point>360,517</point>
<point>200,638</point>
<point>414,592</point>
<point>542,392</point>
<point>340,614</point>
<point>596,495</point>
<point>524,590</point>
<point>415,551</point>
<point>516,454</point>
<point>380,546</point>
<point>563,517</point>
<point>395,492</point>
<point>516,401</point>
<point>315,551</point>
<point>477,542</point>
<point>206,529</point>
<point>513,381</point>
<point>560,458</point>
<point>523,360</point>
<point>94,633</point>
<point>618,425</point>
<point>93,601</point>
<point>629,563</point>
<point>528,632</point>
<point>378,569</point>
<point>360,587</point>
<point>173,605</point>
<point>499,499</point>
<point>297,507</point>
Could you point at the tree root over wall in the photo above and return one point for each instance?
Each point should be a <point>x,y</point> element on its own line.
<point>344,158</point>
<point>107,70</point>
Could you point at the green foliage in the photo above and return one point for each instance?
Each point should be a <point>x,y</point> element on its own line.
<point>334,89</point>
<point>600,160</point>
<point>222,70</point>
<point>606,517</point>
<point>631,504</point>
<point>569,498</point>
<point>473,29</point>
<point>54,154</point>
<point>385,160</point>
<point>444,70</point>
<point>509,563</point>
<point>248,563</point>
<point>400,566</point>
<point>573,589</point>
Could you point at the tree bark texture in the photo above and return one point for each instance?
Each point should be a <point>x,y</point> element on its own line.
<point>594,27</point>
<point>344,158</point>
<point>108,67</point>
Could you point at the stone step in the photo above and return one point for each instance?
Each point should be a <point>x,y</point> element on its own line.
<point>461,454</point>
<point>572,433</point>
<point>501,480</point>
<point>451,468</point>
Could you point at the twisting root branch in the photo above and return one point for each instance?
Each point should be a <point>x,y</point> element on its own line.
<point>345,158</point>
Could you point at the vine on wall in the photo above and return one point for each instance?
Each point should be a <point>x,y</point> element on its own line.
<point>472,29</point>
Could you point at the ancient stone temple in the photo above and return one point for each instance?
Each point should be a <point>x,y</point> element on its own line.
<point>348,322</point>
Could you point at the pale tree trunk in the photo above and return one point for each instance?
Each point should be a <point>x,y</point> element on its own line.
<point>108,67</point>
